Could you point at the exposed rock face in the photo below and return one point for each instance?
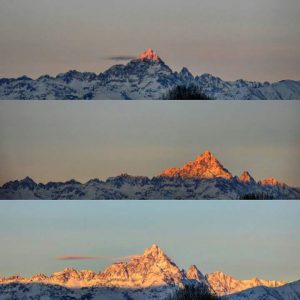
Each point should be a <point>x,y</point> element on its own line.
<point>246,178</point>
<point>205,166</point>
<point>153,268</point>
<point>193,273</point>
<point>72,278</point>
<point>224,284</point>
<point>149,54</point>
<point>272,182</point>
<point>38,277</point>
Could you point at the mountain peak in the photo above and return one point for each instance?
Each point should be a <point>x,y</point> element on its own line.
<point>193,273</point>
<point>149,54</point>
<point>27,182</point>
<point>185,74</point>
<point>153,268</point>
<point>224,284</point>
<point>27,179</point>
<point>204,166</point>
<point>154,251</point>
<point>246,177</point>
<point>207,155</point>
<point>272,181</point>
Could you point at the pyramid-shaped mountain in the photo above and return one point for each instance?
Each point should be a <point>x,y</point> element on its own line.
<point>205,166</point>
<point>153,268</point>
<point>149,55</point>
<point>246,177</point>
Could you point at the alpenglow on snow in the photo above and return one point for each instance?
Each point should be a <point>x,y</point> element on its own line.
<point>203,178</point>
<point>151,275</point>
<point>146,77</point>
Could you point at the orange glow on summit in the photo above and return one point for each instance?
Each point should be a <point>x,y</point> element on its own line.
<point>149,54</point>
<point>205,166</point>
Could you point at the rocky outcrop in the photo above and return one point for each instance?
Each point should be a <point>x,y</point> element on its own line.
<point>206,166</point>
<point>224,284</point>
<point>272,182</point>
<point>246,178</point>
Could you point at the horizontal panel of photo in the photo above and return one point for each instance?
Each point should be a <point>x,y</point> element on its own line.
<point>149,250</point>
<point>140,50</point>
<point>182,150</point>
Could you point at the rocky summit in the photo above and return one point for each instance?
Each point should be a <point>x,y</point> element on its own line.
<point>146,77</point>
<point>203,178</point>
<point>224,284</point>
<point>153,268</point>
<point>149,54</point>
<point>246,178</point>
<point>151,275</point>
<point>205,166</point>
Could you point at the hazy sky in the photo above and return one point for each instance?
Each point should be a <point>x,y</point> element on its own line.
<point>256,40</point>
<point>61,140</point>
<point>244,239</point>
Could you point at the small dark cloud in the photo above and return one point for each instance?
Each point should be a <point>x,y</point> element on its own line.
<point>124,258</point>
<point>121,57</point>
<point>75,257</point>
<point>79,257</point>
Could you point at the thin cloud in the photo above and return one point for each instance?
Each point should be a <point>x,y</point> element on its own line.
<point>121,57</point>
<point>78,257</point>
<point>114,259</point>
<point>125,257</point>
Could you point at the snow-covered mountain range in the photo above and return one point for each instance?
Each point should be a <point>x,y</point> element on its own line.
<point>287,292</point>
<point>151,275</point>
<point>146,77</point>
<point>204,178</point>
